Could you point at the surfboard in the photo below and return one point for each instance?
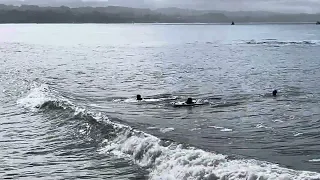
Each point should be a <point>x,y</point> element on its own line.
<point>181,104</point>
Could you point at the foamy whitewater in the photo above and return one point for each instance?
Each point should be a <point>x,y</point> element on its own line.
<point>68,107</point>
<point>165,159</point>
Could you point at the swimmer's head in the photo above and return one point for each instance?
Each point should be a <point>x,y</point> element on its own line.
<point>139,97</point>
<point>189,101</point>
<point>274,93</point>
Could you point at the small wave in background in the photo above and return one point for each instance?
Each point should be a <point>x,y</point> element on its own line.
<point>275,42</point>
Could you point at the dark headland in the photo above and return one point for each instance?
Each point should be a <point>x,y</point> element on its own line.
<point>117,14</point>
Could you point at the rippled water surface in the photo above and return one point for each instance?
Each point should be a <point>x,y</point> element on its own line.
<point>68,108</point>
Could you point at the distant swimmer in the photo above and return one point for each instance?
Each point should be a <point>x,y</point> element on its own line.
<point>139,97</point>
<point>274,93</point>
<point>189,101</point>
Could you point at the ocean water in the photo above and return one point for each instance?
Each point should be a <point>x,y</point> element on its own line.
<point>68,108</point>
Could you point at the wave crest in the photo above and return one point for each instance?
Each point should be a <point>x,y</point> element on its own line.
<point>165,159</point>
<point>276,42</point>
<point>169,160</point>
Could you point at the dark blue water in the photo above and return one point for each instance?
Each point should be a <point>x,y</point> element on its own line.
<point>68,108</point>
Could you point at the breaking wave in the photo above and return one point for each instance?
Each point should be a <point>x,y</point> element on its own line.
<point>281,43</point>
<point>164,159</point>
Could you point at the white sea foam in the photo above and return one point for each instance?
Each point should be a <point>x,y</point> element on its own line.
<point>170,160</point>
<point>195,129</point>
<point>222,129</point>
<point>226,130</point>
<point>298,134</point>
<point>36,97</point>
<point>278,120</point>
<point>260,126</point>
<point>176,162</point>
<point>39,95</point>
<point>283,43</point>
<point>165,130</point>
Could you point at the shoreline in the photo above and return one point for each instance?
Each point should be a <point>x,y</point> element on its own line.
<point>175,23</point>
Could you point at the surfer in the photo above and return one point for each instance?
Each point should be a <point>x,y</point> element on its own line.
<point>189,101</point>
<point>274,93</point>
<point>139,97</point>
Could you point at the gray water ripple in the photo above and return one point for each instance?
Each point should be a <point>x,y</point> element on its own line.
<point>104,76</point>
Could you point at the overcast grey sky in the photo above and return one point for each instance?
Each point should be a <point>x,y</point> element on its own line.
<point>309,6</point>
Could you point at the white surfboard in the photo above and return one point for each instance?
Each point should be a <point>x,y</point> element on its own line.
<point>195,103</point>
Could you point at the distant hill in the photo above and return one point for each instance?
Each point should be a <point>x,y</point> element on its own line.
<point>172,11</point>
<point>191,12</point>
<point>118,14</point>
<point>242,16</point>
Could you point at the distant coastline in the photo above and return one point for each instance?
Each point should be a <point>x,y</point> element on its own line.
<point>181,24</point>
<point>116,14</point>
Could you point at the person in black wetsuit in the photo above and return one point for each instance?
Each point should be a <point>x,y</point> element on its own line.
<point>139,98</point>
<point>274,93</point>
<point>189,101</point>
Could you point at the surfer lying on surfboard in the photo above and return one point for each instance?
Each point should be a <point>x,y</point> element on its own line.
<point>189,102</point>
